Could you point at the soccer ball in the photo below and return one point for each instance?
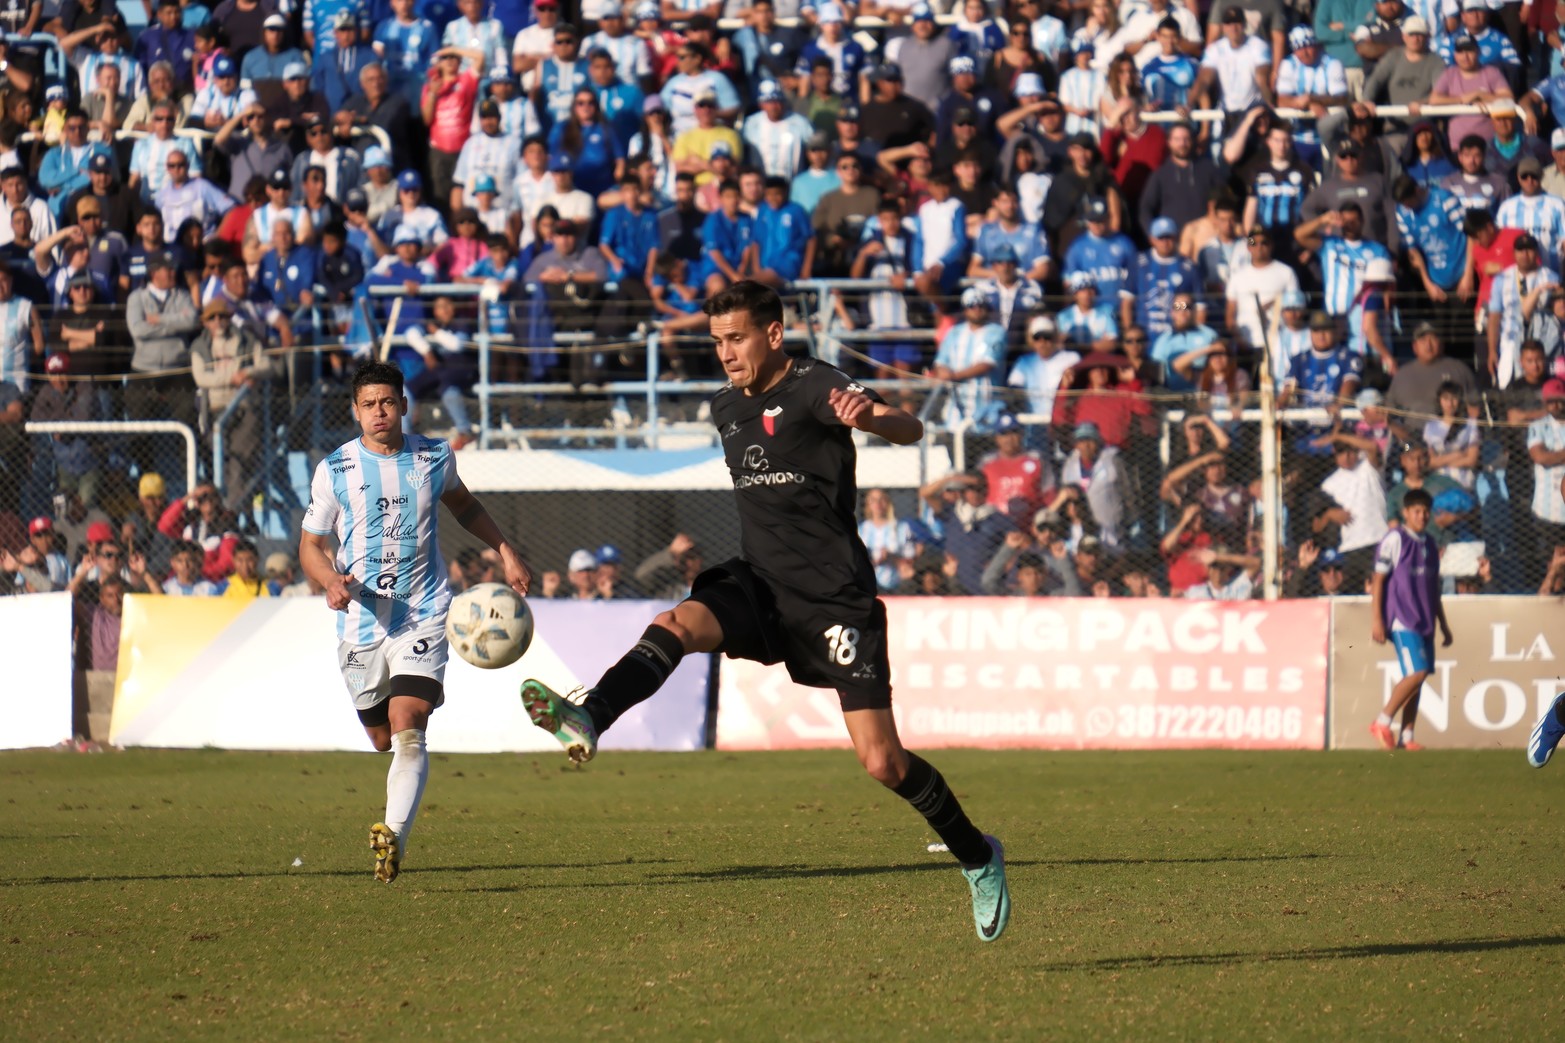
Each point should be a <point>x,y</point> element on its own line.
<point>489,625</point>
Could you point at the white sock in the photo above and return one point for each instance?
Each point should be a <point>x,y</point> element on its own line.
<point>1407,735</point>
<point>405,782</point>
<point>1384,720</point>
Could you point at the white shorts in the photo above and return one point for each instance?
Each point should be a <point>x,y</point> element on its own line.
<point>417,650</point>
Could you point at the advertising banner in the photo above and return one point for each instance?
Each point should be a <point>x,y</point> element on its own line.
<point>264,675</point>
<point>37,690</point>
<point>1502,670</point>
<point>1066,674</point>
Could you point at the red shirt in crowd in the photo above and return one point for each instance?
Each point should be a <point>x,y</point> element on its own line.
<point>1019,477</point>
<point>1492,260</point>
<point>1136,157</point>
<point>453,112</point>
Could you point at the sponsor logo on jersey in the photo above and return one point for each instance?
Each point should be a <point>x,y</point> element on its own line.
<point>769,418</point>
<point>384,502</point>
<point>731,430</point>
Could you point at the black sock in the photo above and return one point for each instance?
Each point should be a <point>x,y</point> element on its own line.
<point>1559,710</point>
<point>638,674</point>
<point>926,789</point>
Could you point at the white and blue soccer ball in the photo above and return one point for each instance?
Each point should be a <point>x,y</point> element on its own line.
<point>489,625</point>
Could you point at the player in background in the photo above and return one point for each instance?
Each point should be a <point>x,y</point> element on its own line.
<point>379,495</point>
<point>803,593</point>
<point>1550,729</point>
<point>1405,602</point>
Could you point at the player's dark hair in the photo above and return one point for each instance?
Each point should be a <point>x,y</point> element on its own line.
<point>500,242</point>
<point>245,545</point>
<point>375,373</point>
<point>728,185</point>
<point>1029,560</point>
<point>761,302</point>
<point>1417,497</point>
<point>1405,190</point>
<point>777,184</point>
<point>1472,141</point>
<point>1476,221</point>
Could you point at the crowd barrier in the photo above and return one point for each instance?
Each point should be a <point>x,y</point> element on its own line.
<point>1063,674</point>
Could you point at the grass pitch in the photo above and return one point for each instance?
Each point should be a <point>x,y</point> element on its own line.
<point>152,895</point>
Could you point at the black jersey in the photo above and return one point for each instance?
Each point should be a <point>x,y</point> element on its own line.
<point>792,462</point>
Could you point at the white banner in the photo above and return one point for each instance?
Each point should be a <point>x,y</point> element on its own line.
<point>36,696</point>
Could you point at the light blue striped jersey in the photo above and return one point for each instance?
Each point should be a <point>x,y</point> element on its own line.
<point>16,341</point>
<point>384,511</point>
<point>778,144</point>
<point>1547,502</point>
<point>1327,76</point>
<point>963,347</point>
<point>1342,267</point>
<point>1542,215</point>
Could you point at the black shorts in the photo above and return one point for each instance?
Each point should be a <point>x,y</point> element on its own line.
<point>825,643</point>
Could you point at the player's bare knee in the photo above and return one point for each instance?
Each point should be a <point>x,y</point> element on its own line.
<point>380,739</point>
<point>883,765</point>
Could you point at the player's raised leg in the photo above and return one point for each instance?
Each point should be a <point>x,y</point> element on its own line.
<point>1546,734</point>
<point>688,627</point>
<point>915,780</point>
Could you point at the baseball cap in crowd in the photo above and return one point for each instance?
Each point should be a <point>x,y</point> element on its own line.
<point>973,297</point>
<point>1300,37</point>
<point>644,12</point>
<point>770,90</point>
<point>720,148</point>
<point>279,178</point>
<point>1464,43</point>
<point>889,73</point>
<point>1502,109</point>
<point>1080,281</point>
<point>296,71</point>
<point>608,554</point>
<point>500,74</point>
<point>820,141</point>
<point>1087,432</point>
<point>582,561</point>
<point>1321,321</point>
<point>1164,228</point>
<point>1414,26</point>
<point>964,117</point>
<point>1554,387</point>
<point>961,65</point>
<point>1529,165</point>
<point>275,21</point>
<point>610,9</point>
<point>56,93</point>
<point>1083,140</point>
<point>828,13</point>
<point>1330,558</point>
<point>1378,269</point>
<point>1007,424</point>
<point>100,532</point>
<point>101,163</point>
<point>652,103</point>
<point>488,109</point>
<point>1005,253</point>
<point>923,13</point>
<point>483,183</point>
<point>405,233</point>
<point>1346,148</point>
<point>1232,15</point>
<point>1368,398</point>
<point>1081,45</point>
<point>1029,85</point>
<point>277,563</point>
<point>216,308</point>
<point>1041,324</point>
<point>375,156</point>
<point>1095,209</point>
<point>345,20</point>
<point>58,365</point>
<point>1089,544</point>
<point>409,179</point>
<point>1424,329</point>
<point>707,98</point>
<point>160,259</point>
<point>1295,300</point>
<point>151,486</point>
<point>551,4</point>
<point>1525,241</point>
<point>848,113</point>
<point>84,278</point>
<point>40,524</point>
<point>1475,5</point>
<point>224,66</point>
<point>356,200</point>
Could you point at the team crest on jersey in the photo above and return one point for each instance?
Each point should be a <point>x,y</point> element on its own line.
<point>769,419</point>
<point>417,478</point>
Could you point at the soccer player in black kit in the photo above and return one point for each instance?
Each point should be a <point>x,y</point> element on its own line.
<point>803,592</point>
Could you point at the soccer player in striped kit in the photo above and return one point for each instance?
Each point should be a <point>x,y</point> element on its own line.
<point>380,496</point>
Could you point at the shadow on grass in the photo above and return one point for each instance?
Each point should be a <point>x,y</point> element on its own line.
<point>1365,951</point>
<point>421,871</point>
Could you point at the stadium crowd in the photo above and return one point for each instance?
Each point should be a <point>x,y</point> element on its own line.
<point>1041,225</point>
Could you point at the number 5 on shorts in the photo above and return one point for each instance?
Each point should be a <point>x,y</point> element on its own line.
<point>842,644</point>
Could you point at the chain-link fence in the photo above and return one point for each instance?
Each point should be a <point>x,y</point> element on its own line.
<point>1110,467</point>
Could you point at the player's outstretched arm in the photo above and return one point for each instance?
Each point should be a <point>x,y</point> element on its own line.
<point>474,517</point>
<point>858,410</point>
